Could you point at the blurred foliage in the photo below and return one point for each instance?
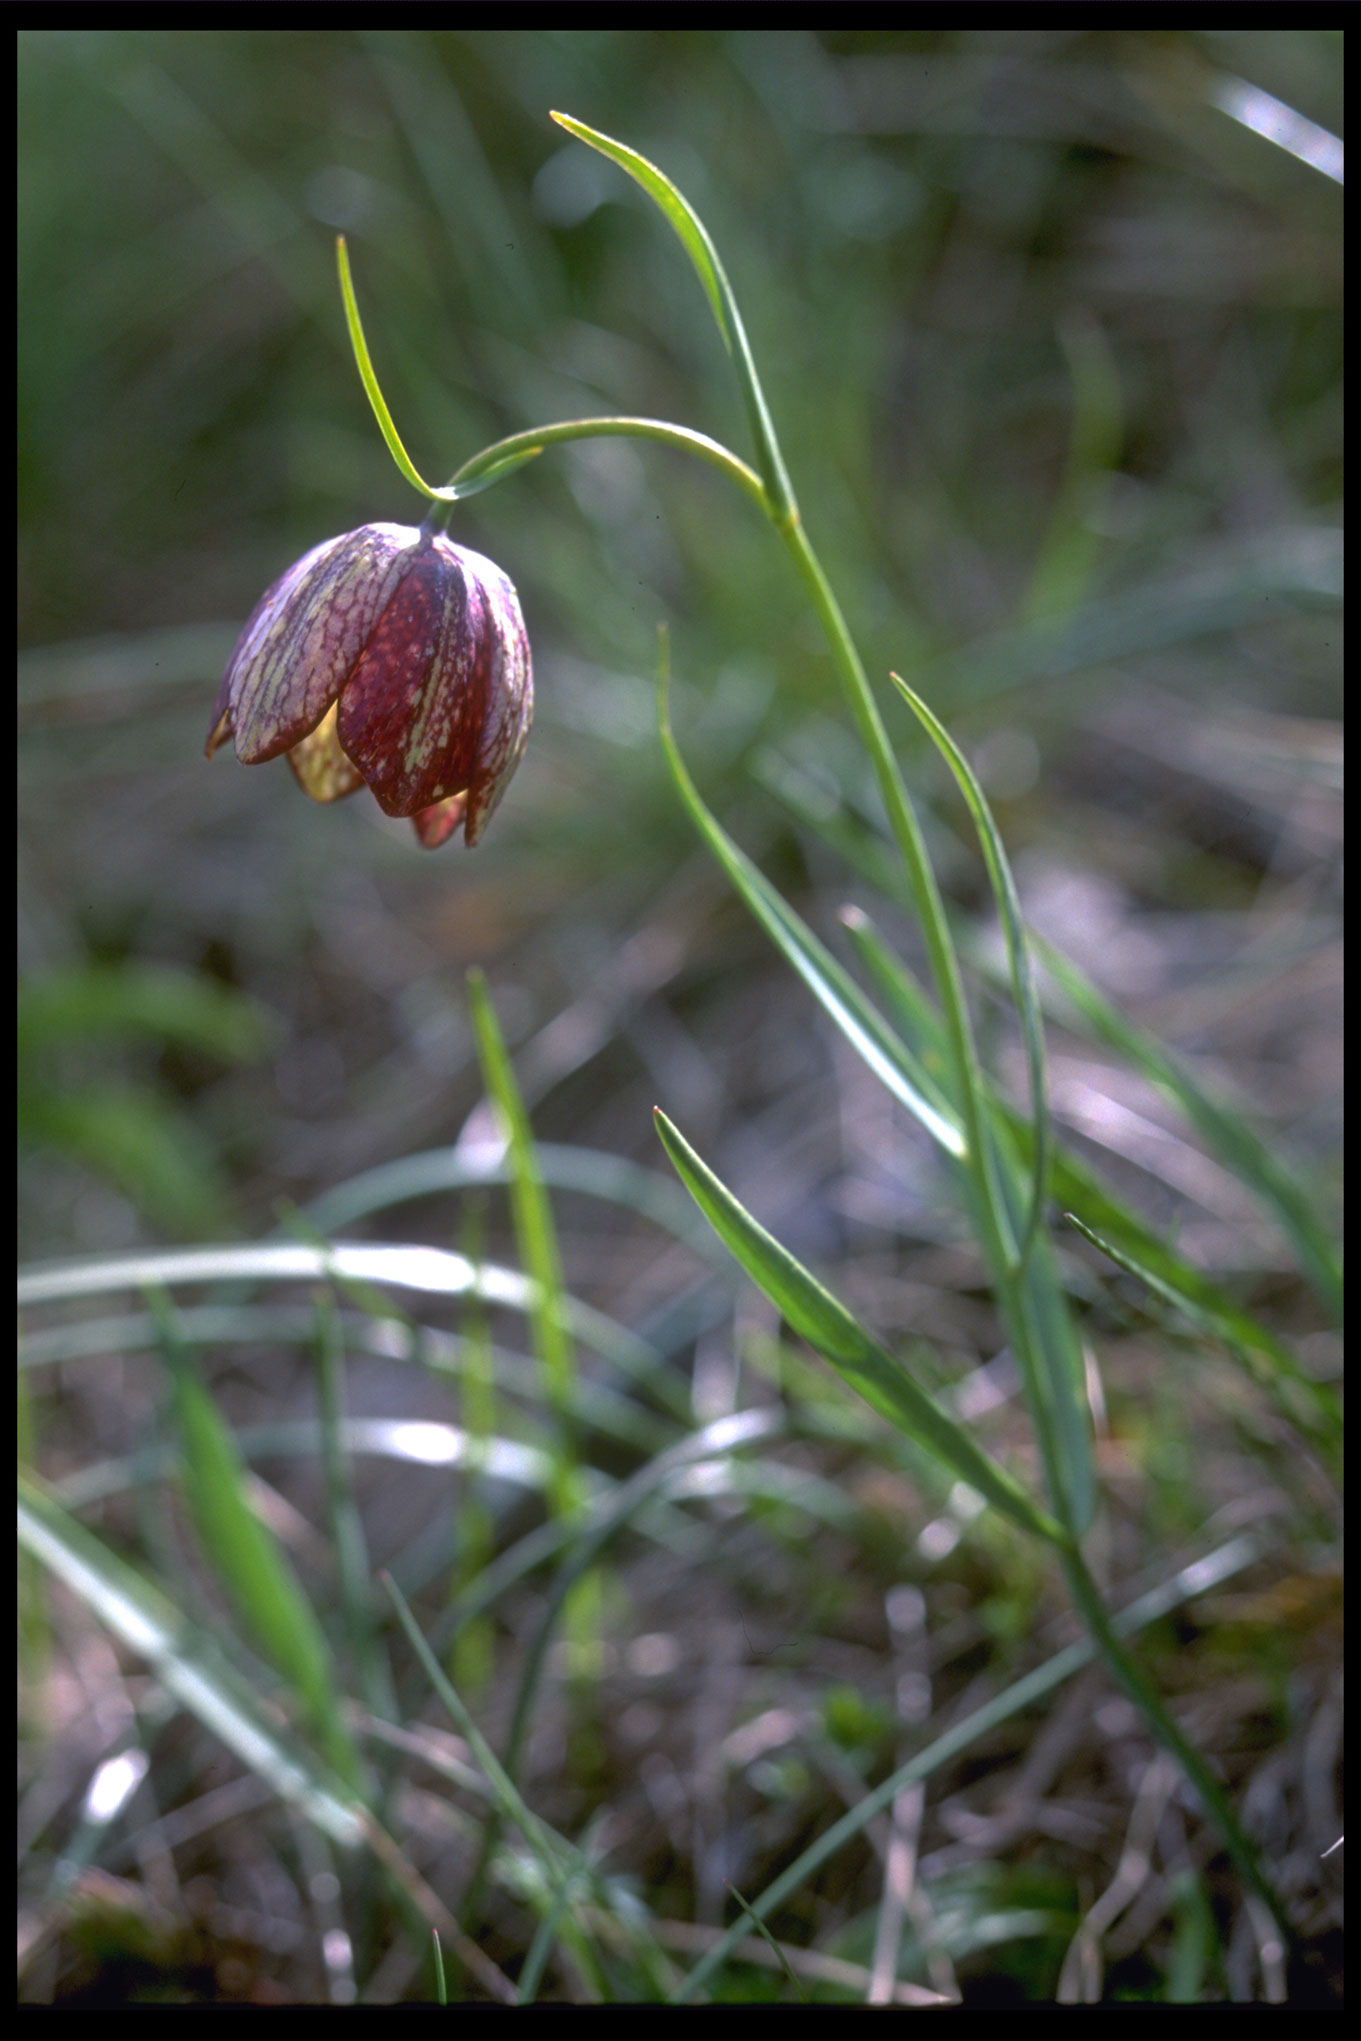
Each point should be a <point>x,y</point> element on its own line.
<point>1052,343</point>
<point>85,1038</point>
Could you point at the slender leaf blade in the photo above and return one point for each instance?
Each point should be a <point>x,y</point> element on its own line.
<point>245,1555</point>
<point>817,1316</point>
<point>1304,1402</point>
<point>1018,951</point>
<point>1227,1131</point>
<point>535,1231</point>
<point>1309,1404</point>
<point>694,238</point>
<point>368,377</point>
<point>145,1619</point>
<point>833,987</point>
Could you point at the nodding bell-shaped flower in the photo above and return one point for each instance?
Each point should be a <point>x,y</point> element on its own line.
<point>389,658</point>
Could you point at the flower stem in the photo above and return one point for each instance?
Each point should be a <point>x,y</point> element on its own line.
<point>495,461</point>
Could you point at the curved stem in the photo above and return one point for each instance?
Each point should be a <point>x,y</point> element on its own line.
<point>494,461</point>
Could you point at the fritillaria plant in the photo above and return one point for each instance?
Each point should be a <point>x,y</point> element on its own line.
<point>397,659</point>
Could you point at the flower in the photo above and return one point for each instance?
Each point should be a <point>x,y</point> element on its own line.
<point>388,658</point>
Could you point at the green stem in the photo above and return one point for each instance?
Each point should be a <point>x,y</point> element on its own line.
<point>997,1233</point>
<point>522,446</point>
<point>906,829</point>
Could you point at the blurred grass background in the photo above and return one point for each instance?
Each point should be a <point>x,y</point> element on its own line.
<point>1053,346</point>
<point>937,239</point>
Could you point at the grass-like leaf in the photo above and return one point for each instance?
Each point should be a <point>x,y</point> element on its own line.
<point>1227,1131</point>
<point>833,987</point>
<point>144,1618</point>
<point>103,1003</point>
<point>558,1864</point>
<point>1030,1296</point>
<point>694,238</point>
<point>364,363</point>
<point>1309,1404</point>
<point>1312,1405</point>
<point>534,1228</point>
<point>246,1557</point>
<point>1018,953</point>
<point>593,1172</point>
<point>430,1271</point>
<point>817,1316</point>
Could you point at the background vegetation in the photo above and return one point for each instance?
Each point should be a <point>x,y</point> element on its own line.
<point>1053,346</point>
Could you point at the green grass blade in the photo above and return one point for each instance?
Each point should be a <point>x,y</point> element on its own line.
<point>817,1316</point>
<point>355,1574</point>
<point>1018,951</point>
<point>1309,1404</point>
<point>144,1618</point>
<point>835,990</point>
<point>594,1172</point>
<point>246,1557</point>
<point>1228,1133</point>
<point>364,363</point>
<point>694,238</point>
<point>1030,1297</point>
<point>534,1228</point>
<point>557,1862</point>
<point>904,997</point>
<point>1111,1223</point>
<point>430,1271</point>
<point>1075,541</point>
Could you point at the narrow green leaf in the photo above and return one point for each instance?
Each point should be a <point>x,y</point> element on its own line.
<point>248,1561</point>
<point>764,1932</point>
<point>428,1270</point>
<point>1227,1131</point>
<point>534,1228</point>
<point>1037,1319</point>
<point>364,363</point>
<point>144,1618</point>
<point>1312,1405</point>
<point>1074,541</point>
<point>1018,953</point>
<point>1031,1299</point>
<point>550,1849</point>
<point>592,1171</point>
<point>1309,1404</point>
<point>835,990</point>
<point>557,1863</point>
<point>817,1316</point>
<point>141,1139</point>
<point>694,238</point>
<point>1049,1355</point>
